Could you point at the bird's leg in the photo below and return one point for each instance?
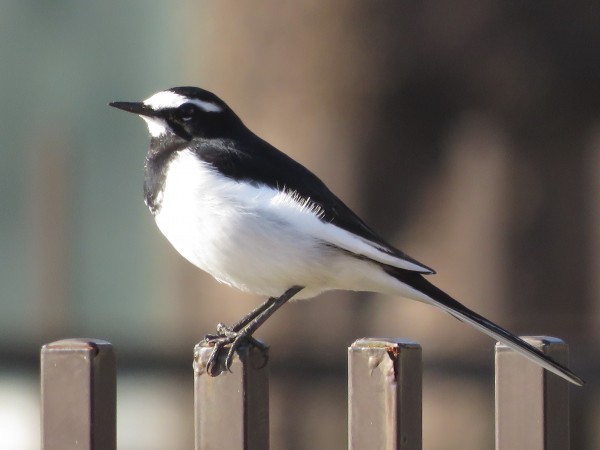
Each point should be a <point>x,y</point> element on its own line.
<point>253,314</point>
<point>242,331</point>
<point>245,333</point>
<point>224,331</point>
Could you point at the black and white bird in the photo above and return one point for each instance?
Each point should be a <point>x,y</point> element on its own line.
<point>255,219</point>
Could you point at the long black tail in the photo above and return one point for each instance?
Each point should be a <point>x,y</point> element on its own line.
<point>439,298</point>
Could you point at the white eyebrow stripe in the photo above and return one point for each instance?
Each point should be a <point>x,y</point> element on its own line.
<point>168,99</point>
<point>206,106</point>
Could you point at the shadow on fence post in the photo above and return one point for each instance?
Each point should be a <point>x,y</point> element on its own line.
<point>532,404</point>
<point>78,382</point>
<point>231,410</point>
<point>384,395</point>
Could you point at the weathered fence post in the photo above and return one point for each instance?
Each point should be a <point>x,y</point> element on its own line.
<point>384,395</point>
<point>532,404</point>
<point>78,383</point>
<point>232,408</point>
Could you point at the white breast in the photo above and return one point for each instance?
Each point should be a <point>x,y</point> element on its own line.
<point>239,233</point>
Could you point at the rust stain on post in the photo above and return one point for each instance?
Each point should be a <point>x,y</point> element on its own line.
<point>384,395</point>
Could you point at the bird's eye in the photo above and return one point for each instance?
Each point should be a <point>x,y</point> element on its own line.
<point>186,112</point>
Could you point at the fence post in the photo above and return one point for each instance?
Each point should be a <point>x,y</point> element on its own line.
<point>231,410</point>
<point>532,404</point>
<point>78,387</point>
<point>384,395</point>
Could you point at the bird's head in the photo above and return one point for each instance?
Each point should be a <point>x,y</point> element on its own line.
<point>187,112</point>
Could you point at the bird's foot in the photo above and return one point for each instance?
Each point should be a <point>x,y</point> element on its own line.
<point>225,337</point>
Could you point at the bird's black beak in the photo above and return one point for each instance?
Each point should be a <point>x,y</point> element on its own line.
<point>135,108</point>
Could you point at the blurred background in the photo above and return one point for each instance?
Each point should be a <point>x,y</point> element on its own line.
<point>466,132</point>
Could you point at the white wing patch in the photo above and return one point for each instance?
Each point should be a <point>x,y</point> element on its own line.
<point>297,201</point>
<point>306,216</point>
<point>363,247</point>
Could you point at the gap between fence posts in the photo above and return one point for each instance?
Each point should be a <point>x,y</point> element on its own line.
<point>532,404</point>
<point>231,410</point>
<point>78,389</point>
<point>384,395</point>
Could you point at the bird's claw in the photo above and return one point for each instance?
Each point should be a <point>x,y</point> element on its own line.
<point>225,336</point>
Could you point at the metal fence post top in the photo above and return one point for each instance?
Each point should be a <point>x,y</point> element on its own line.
<point>383,342</point>
<point>203,351</point>
<point>78,388</point>
<point>77,344</point>
<point>537,341</point>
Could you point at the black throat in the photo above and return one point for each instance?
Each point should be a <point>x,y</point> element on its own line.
<point>161,152</point>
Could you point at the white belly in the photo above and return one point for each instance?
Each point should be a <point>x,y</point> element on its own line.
<point>238,233</point>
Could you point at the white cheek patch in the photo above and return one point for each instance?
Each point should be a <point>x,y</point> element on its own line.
<point>156,127</point>
<point>169,99</point>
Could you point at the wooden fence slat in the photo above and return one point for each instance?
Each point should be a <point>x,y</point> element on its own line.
<point>532,404</point>
<point>232,408</point>
<point>384,395</point>
<point>78,387</point>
